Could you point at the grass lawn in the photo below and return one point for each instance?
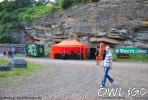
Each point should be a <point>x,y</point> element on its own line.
<point>3,61</point>
<point>17,74</point>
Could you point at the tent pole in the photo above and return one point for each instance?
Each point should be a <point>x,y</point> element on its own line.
<point>80,52</point>
<point>64,50</point>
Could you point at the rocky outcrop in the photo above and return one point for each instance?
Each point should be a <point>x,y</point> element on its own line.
<point>114,22</point>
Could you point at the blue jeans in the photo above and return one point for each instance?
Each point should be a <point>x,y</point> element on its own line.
<point>106,70</point>
<point>12,55</point>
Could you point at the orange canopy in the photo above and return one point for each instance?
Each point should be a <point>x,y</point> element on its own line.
<point>70,43</point>
<point>66,46</point>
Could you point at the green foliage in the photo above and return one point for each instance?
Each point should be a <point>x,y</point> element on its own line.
<point>67,3</point>
<point>5,38</point>
<point>23,3</point>
<point>61,14</point>
<point>3,61</point>
<point>1,7</point>
<point>94,0</point>
<point>10,6</point>
<point>15,13</point>
<point>30,14</point>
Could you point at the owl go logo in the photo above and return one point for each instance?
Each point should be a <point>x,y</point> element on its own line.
<point>118,92</point>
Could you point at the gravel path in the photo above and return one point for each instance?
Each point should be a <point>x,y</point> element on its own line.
<point>76,80</point>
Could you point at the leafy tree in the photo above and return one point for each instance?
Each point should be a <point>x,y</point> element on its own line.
<point>5,38</point>
<point>1,7</point>
<point>24,3</point>
<point>8,6</point>
<point>66,3</point>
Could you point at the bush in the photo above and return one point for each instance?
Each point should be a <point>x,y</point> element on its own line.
<point>67,3</point>
<point>30,14</point>
<point>94,0</point>
<point>5,38</point>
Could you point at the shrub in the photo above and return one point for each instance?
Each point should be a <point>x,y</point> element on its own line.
<point>94,0</point>
<point>67,3</point>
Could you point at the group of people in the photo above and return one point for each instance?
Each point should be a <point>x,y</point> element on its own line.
<point>106,63</point>
<point>10,52</point>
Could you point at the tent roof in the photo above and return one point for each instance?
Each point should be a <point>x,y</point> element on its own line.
<point>70,43</point>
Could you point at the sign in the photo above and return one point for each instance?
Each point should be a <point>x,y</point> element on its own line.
<point>32,50</point>
<point>131,50</point>
<point>122,55</point>
<point>36,50</point>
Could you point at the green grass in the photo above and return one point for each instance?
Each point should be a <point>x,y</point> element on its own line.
<point>17,74</point>
<point>3,61</point>
<point>30,14</point>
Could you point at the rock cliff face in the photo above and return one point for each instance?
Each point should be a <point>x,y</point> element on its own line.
<point>114,22</point>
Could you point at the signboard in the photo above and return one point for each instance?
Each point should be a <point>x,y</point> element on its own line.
<point>32,50</point>
<point>35,50</point>
<point>122,55</point>
<point>131,50</point>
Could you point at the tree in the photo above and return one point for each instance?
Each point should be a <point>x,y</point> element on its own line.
<point>1,7</point>
<point>24,3</point>
<point>8,6</point>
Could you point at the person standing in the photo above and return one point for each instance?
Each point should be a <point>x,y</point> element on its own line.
<point>12,52</point>
<point>9,53</point>
<point>97,55</point>
<point>107,64</point>
<point>104,54</point>
<point>4,52</point>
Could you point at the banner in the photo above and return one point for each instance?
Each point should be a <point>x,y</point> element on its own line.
<point>131,50</point>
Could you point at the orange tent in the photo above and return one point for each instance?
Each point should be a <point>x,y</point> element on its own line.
<point>68,46</point>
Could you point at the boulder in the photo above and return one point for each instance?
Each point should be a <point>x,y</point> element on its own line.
<point>17,63</point>
<point>4,68</point>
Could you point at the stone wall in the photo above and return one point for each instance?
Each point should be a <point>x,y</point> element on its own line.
<point>114,22</point>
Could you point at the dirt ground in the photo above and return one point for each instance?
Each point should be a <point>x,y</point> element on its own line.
<point>80,80</point>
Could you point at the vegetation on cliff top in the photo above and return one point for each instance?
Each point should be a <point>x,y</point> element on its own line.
<point>14,14</point>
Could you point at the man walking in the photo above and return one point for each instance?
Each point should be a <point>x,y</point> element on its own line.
<point>107,64</point>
